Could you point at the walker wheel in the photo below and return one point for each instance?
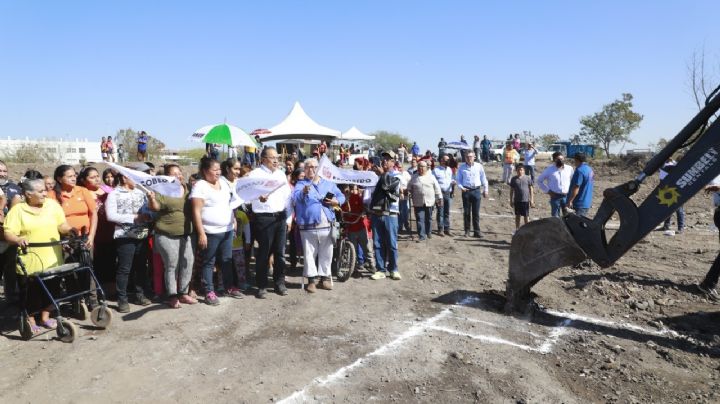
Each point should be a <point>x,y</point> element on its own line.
<point>66,331</point>
<point>101,316</point>
<point>25,328</point>
<point>80,310</point>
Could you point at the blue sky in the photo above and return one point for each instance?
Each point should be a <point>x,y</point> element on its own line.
<point>424,69</point>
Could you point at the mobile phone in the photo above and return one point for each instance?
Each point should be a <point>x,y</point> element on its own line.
<point>329,196</point>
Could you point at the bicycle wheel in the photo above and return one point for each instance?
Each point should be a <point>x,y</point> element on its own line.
<point>346,260</point>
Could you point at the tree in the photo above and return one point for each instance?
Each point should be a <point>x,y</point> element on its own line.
<point>703,79</point>
<point>613,124</point>
<point>390,140</point>
<point>128,138</point>
<point>661,144</point>
<point>548,139</point>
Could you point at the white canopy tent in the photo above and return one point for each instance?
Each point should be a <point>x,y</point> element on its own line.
<point>355,134</point>
<point>298,125</point>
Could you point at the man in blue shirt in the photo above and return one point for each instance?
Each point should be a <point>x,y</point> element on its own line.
<point>581,186</point>
<point>415,150</point>
<point>444,176</point>
<point>471,180</point>
<point>142,141</point>
<point>485,146</point>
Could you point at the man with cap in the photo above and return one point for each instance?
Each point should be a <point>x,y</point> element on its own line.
<point>382,201</point>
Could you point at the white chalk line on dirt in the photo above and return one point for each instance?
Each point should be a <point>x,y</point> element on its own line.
<point>484,338</point>
<point>614,324</point>
<point>418,329</point>
<point>490,324</point>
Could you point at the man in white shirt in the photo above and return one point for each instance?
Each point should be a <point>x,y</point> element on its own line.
<point>273,216</point>
<point>555,181</point>
<point>470,179</point>
<point>444,176</point>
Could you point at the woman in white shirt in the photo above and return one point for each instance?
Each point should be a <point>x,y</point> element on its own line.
<point>214,222</point>
<point>425,193</point>
<point>126,207</point>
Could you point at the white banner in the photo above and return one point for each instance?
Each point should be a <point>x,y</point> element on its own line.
<point>250,188</point>
<point>338,175</point>
<point>161,184</point>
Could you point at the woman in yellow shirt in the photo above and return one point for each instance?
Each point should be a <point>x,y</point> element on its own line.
<point>36,220</point>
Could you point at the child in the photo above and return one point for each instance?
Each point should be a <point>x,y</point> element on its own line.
<point>521,195</point>
<point>357,232</point>
<point>241,243</point>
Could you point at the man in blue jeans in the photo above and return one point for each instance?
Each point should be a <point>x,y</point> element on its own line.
<point>444,176</point>
<point>384,208</point>
<point>470,179</point>
<point>581,186</point>
<point>555,181</point>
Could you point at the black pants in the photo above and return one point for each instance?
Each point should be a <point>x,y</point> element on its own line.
<point>132,267</point>
<point>471,210</point>
<point>7,271</point>
<point>711,278</point>
<point>270,233</point>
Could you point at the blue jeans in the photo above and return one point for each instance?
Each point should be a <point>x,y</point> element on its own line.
<point>404,214</point>
<point>385,230</point>
<point>423,218</point>
<point>557,203</point>
<point>471,209</point>
<point>680,219</point>
<point>443,213</point>
<point>219,248</point>
<point>530,170</point>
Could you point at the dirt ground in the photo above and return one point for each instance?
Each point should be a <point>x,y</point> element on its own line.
<point>635,332</point>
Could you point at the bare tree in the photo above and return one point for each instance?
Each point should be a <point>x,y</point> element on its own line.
<point>704,77</point>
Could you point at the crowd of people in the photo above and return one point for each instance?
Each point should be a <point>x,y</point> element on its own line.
<point>151,247</point>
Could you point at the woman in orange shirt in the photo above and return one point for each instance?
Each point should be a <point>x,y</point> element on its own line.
<point>77,202</point>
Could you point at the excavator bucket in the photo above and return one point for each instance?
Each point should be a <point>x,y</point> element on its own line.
<point>538,248</point>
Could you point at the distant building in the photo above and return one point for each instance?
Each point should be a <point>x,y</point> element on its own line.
<point>55,150</point>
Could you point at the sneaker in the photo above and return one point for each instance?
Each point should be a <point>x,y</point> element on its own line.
<point>310,287</point>
<point>710,293</point>
<point>281,289</point>
<point>174,303</point>
<point>378,275</point>
<point>680,231</point>
<point>477,235</point>
<point>123,306</point>
<point>429,236</point>
<point>187,299</point>
<point>395,276</point>
<point>467,234</point>
<point>669,233</point>
<point>440,234</point>
<point>447,232</point>
<point>326,284</point>
<point>141,300</point>
<point>261,293</point>
<point>212,299</point>
<point>235,292</point>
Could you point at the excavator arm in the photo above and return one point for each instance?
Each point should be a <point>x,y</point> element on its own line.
<point>542,246</point>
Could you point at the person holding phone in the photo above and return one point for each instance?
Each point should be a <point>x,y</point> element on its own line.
<point>314,199</point>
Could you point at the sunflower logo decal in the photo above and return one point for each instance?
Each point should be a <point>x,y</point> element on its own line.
<point>668,195</point>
